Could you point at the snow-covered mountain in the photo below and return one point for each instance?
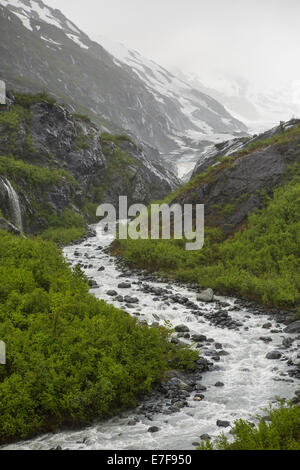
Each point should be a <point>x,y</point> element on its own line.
<point>206,115</point>
<point>259,108</point>
<point>41,49</point>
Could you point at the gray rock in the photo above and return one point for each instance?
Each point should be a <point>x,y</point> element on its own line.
<point>205,437</point>
<point>199,338</point>
<point>273,355</point>
<point>153,429</point>
<point>131,300</point>
<point>124,285</point>
<point>219,384</point>
<point>112,293</point>
<point>266,339</point>
<point>182,329</point>
<point>223,424</point>
<point>201,388</point>
<point>287,342</point>
<point>293,327</point>
<point>206,296</point>
<point>183,386</point>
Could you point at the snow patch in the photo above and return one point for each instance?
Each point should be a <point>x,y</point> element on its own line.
<point>77,41</point>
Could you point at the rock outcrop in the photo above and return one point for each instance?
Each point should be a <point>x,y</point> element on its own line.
<point>238,182</point>
<point>56,160</point>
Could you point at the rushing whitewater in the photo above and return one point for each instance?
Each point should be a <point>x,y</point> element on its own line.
<point>14,204</point>
<point>250,380</point>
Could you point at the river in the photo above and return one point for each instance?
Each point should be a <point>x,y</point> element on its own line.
<point>251,381</point>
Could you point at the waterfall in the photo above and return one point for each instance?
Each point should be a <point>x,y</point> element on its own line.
<point>14,204</point>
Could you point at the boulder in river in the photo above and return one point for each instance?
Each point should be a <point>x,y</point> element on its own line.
<point>287,342</point>
<point>112,293</point>
<point>223,424</point>
<point>205,437</point>
<point>199,338</point>
<point>206,296</point>
<point>124,285</point>
<point>182,329</point>
<point>131,300</point>
<point>273,355</point>
<point>293,327</point>
<point>153,429</point>
<point>183,386</point>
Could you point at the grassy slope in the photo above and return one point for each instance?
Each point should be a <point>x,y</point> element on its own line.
<point>70,357</point>
<point>261,262</point>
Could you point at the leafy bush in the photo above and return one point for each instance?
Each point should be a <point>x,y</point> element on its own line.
<point>82,143</point>
<point>64,228</point>
<point>27,99</point>
<point>63,236</point>
<point>82,117</point>
<point>32,174</point>
<point>116,138</point>
<point>70,357</point>
<point>282,432</point>
<point>10,119</point>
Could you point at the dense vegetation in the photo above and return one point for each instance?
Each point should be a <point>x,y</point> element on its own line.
<point>29,173</point>
<point>33,172</point>
<point>34,176</point>
<point>70,357</point>
<point>261,262</point>
<point>64,228</point>
<point>280,432</point>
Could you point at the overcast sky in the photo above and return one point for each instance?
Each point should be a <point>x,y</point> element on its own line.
<point>257,40</point>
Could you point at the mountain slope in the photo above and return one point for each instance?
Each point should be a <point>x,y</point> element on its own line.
<point>41,49</point>
<point>62,167</point>
<point>259,109</point>
<point>252,228</point>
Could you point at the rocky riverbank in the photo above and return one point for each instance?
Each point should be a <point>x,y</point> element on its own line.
<point>233,377</point>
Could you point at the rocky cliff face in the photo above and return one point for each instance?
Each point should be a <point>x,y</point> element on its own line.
<point>229,147</point>
<point>41,49</point>
<point>237,176</point>
<point>58,161</point>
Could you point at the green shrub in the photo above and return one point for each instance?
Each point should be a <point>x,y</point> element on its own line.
<point>82,143</point>
<point>63,228</point>
<point>63,236</point>
<point>115,138</point>
<point>70,357</point>
<point>82,117</point>
<point>282,432</point>
<point>10,119</point>
<point>27,99</point>
<point>32,174</point>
